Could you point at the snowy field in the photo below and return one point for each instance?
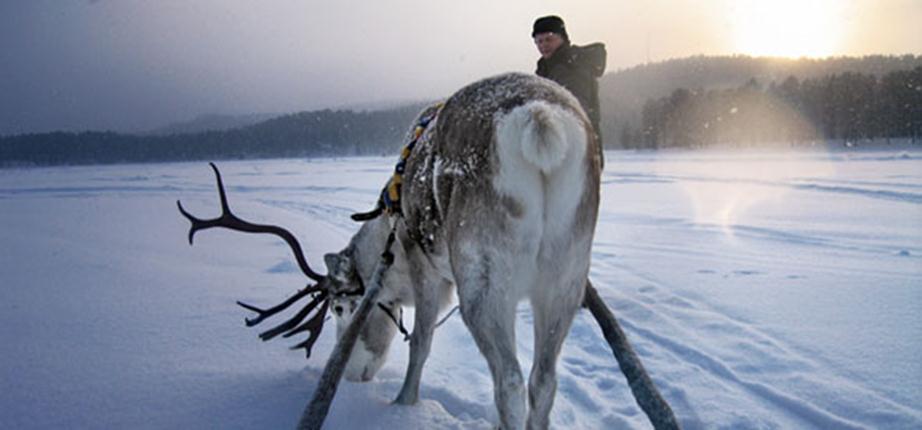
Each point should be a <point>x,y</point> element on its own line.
<point>761,290</point>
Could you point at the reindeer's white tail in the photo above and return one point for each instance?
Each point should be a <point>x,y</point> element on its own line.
<point>541,153</point>
<point>545,133</point>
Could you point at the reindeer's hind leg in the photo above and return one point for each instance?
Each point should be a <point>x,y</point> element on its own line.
<point>554,306</point>
<point>488,309</point>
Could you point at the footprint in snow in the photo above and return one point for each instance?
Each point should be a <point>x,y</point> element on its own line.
<point>283,267</point>
<point>579,367</point>
<point>646,289</point>
<point>680,303</point>
<point>746,272</point>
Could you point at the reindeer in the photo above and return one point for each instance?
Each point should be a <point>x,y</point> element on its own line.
<point>499,204</point>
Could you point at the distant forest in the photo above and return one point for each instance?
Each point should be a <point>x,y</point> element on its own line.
<point>691,102</point>
<point>849,107</point>
<point>627,94</point>
<point>307,134</point>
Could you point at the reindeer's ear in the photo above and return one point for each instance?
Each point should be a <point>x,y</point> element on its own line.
<point>332,261</point>
<point>339,266</point>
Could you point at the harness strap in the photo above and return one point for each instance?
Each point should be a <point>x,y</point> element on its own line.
<point>389,199</point>
<point>390,196</point>
<point>398,321</point>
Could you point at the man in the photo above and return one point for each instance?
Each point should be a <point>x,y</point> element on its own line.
<point>576,68</point>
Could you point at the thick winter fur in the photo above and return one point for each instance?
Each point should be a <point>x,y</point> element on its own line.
<point>500,202</point>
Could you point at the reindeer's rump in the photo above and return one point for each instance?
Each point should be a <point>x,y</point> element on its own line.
<point>495,143</point>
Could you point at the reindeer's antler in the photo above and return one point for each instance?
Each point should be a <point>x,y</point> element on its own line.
<point>266,313</point>
<point>231,221</point>
<point>291,327</point>
<point>319,292</point>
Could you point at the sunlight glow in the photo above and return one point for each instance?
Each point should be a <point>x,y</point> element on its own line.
<point>787,28</point>
<point>725,192</point>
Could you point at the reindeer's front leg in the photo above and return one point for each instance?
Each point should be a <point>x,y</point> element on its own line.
<point>420,344</point>
<point>427,290</point>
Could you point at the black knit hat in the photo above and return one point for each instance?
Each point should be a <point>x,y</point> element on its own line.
<point>550,24</point>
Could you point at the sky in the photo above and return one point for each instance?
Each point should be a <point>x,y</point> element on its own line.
<point>135,65</point>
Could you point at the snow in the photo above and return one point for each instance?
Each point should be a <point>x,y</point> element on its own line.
<point>762,290</point>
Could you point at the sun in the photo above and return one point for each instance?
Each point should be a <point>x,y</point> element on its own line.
<point>787,28</point>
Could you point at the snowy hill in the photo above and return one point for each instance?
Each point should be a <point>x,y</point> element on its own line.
<point>211,122</point>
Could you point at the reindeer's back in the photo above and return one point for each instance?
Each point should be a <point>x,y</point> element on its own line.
<point>508,158</point>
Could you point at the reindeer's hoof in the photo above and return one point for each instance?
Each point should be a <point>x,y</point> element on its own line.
<point>406,400</point>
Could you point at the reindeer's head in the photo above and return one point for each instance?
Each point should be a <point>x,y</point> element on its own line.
<point>342,288</point>
<point>348,272</point>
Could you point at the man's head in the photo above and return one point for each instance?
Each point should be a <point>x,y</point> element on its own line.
<point>549,34</point>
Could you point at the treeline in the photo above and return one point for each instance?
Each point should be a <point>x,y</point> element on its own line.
<point>305,134</point>
<point>689,102</point>
<point>847,106</point>
<point>624,93</point>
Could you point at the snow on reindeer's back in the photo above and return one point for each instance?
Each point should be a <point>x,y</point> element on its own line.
<point>483,104</point>
<point>459,144</point>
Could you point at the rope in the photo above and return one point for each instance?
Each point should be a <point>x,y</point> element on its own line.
<point>447,316</point>
<point>398,321</point>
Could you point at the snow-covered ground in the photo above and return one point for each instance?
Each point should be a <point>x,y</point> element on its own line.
<point>762,290</point>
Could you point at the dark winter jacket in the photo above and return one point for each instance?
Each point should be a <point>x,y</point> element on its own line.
<point>578,68</point>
